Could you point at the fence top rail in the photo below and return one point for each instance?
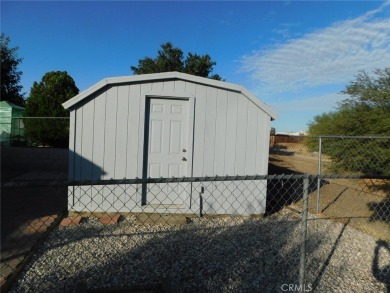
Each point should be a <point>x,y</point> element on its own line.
<point>223,178</point>
<point>28,117</point>
<point>190,179</point>
<point>348,136</point>
<point>185,179</point>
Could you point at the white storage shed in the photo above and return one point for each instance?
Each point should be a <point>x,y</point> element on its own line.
<point>167,125</point>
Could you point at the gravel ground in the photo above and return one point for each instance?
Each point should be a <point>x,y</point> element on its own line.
<point>207,255</point>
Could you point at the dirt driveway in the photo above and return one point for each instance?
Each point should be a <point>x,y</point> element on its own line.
<point>365,204</point>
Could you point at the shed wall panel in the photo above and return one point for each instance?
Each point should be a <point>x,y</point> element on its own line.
<point>71,153</point>
<point>158,86</point>
<point>251,138</point>
<point>266,126</point>
<point>78,143</point>
<point>209,132</point>
<point>99,136</point>
<point>199,134</point>
<point>220,133</point>
<point>228,132</point>
<point>110,133</point>
<point>190,88</point>
<point>122,124</point>
<point>133,169</point>
<point>180,86</point>
<point>87,140</point>
<point>242,121</point>
<point>231,134</point>
<point>169,86</point>
<point>259,142</point>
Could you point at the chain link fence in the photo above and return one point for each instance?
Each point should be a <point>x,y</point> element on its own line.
<point>34,131</point>
<point>343,155</point>
<point>250,233</point>
<point>330,155</point>
<point>268,233</point>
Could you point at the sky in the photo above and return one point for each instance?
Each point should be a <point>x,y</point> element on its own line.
<point>296,56</point>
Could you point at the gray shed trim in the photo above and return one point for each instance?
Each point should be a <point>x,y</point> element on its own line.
<point>169,75</point>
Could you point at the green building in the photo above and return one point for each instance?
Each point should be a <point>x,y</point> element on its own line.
<point>11,123</point>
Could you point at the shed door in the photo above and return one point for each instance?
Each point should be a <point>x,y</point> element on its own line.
<point>167,148</point>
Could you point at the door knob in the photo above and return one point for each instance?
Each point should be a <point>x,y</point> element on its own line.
<point>184,159</point>
<point>184,150</point>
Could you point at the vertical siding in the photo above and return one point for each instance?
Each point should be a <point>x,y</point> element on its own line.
<point>190,88</point>
<point>260,143</point>
<point>265,145</point>
<point>87,140</point>
<point>133,132</point>
<point>110,133</point>
<point>209,132</point>
<point>241,130</point>
<point>220,133</point>
<point>122,124</point>
<point>78,143</point>
<point>71,153</point>
<point>158,86</point>
<point>180,86</point>
<point>99,121</point>
<point>200,125</point>
<point>71,158</point>
<point>251,139</point>
<point>169,86</point>
<point>231,134</point>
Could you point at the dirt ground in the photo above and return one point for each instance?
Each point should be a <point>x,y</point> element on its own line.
<point>364,204</point>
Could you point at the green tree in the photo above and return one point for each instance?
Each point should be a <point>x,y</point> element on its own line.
<point>366,112</point>
<point>46,100</point>
<point>10,75</point>
<point>170,58</point>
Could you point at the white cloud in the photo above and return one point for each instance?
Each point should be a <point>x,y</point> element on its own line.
<point>331,55</point>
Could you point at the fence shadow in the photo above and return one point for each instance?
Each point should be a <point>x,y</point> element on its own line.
<point>381,210</point>
<point>206,259</point>
<point>283,193</point>
<point>382,274</point>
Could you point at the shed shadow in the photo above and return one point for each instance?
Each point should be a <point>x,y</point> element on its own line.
<point>30,203</point>
<point>183,257</point>
<point>282,193</point>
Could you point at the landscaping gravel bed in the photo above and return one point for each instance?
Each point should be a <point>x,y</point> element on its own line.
<point>207,255</point>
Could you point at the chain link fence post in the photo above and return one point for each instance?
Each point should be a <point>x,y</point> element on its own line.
<point>319,173</point>
<point>302,267</point>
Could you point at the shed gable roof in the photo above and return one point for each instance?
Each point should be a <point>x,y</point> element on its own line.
<point>5,104</point>
<point>164,76</point>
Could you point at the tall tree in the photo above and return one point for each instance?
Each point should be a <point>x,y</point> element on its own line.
<point>170,58</point>
<point>10,75</point>
<point>46,100</point>
<point>369,91</point>
<point>365,112</point>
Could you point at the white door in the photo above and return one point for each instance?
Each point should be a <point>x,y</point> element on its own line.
<point>167,149</point>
